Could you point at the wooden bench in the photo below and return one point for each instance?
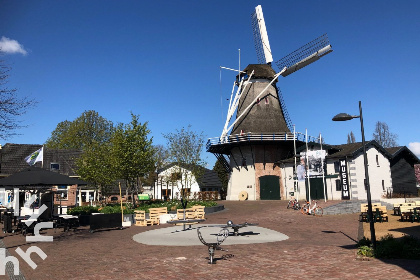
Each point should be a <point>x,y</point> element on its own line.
<point>154,215</point>
<point>363,213</point>
<point>397,208</point>
<point>140,218</point>
<point>199,211</point>
<point>381,214</point>
<point>406,212</point>
<point>193,213</point>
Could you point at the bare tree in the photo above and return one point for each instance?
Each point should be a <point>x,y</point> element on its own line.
<point>383,136</point>
<point>185,147</point>
<point>11,106</point>
<point>351,138</point>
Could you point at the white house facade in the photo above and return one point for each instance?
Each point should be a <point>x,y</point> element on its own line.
<point>174,180</point>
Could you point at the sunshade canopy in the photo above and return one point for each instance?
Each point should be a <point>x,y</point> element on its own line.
<point>35,176</point>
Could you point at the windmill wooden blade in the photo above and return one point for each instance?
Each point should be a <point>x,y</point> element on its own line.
<point>305,55</point>
<point>262,45</point>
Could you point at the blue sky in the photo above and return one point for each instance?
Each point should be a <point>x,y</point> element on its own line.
<point>161,60</point>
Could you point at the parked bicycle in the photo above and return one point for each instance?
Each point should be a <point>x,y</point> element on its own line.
<point>293,203</point>
<point>314,209</point>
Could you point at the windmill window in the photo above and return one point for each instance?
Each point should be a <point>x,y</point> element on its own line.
<point>377,160</point>
<point>383,185</point>
<point>258,101</point>
<point>266,100</point>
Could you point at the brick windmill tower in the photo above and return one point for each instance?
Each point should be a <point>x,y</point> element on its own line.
<point>261,135</point>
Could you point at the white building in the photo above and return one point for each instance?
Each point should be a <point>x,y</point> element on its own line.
<point>175,179</point>
<point>378,166</point>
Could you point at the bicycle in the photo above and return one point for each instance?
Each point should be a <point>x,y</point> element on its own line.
<point>294,204</point>
<point>312,210</point>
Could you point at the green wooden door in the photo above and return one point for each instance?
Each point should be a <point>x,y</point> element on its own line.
<point>269,187</point>
<point>317,191</point>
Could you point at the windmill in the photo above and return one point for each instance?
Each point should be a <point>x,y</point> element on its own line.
<point>261,131</point>
<point>289,64</point>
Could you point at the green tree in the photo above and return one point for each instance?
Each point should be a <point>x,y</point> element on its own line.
<point>132,153</point>
<point>89,133</point>
<point>87,130</point>
<point>185,147</point>
<point>383,136</point>
<point>11,106</point>
<point>95,166</point>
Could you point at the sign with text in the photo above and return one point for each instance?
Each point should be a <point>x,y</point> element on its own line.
<point>345,193</point>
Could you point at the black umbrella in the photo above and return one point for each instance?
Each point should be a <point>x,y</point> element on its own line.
<point>35,176</point>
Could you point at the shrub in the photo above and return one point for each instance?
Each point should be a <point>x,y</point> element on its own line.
<point>83,210</point>
<point>173,204</point>
<point>111,209</point>
<point>365,251</point>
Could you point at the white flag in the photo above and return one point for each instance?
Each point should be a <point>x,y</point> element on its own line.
<point>35,156</point>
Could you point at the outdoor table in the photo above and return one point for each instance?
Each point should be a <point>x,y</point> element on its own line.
<point>236,227</point>
<point>184,222</point>
<point>23,226</point>
<point>68,221</point>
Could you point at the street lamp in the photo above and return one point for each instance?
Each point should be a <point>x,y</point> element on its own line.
<point>346,117</point>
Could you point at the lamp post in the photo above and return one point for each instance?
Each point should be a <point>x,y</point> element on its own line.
<point>346,117</point>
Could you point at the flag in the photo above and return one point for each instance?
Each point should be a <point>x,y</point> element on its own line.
<point>35,156</point>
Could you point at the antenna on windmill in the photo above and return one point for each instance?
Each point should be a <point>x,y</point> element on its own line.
<point>262,45</point>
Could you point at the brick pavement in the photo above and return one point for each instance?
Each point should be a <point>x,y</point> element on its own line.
<point>318,247</point>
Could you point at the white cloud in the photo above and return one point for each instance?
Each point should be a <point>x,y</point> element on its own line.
<point>415,148</point>
<point>11,46</point>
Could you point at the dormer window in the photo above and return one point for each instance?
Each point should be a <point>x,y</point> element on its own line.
<point>54,166</point>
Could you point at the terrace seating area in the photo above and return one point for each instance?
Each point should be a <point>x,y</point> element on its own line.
<point>408,211</point>
<point>156,214</point>
<point>380,213</point>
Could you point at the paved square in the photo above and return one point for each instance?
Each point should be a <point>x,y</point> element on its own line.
<point>317,247</point>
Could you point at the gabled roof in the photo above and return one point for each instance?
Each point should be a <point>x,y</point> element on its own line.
<point>404,152</point>
<point>353,149</point>
<point>209,178</point>
<point>13,156</point>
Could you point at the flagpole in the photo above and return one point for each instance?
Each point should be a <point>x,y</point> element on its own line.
<point>323,171</point>
<point>306,166</point>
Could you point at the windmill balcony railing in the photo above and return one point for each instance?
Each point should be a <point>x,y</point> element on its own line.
<point>254,137</point>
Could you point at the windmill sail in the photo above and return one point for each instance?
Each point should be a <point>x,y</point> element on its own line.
<point>305,55</point>
<point>262,45</point>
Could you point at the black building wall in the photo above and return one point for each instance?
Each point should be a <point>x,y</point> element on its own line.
<point>403,177</point>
